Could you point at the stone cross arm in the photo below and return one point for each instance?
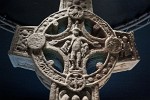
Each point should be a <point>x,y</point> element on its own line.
<point>19,53</point>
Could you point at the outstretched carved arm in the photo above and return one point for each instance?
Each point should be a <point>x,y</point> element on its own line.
<point>54,42</point>
<point>94,43</point>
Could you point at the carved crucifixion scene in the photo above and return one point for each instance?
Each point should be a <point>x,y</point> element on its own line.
<point>73,51</point>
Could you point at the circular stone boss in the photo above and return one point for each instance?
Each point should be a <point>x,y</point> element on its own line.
<point>36,41</point>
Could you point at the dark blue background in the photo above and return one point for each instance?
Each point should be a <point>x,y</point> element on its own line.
<point>20,84</point>
<point>134,84</point>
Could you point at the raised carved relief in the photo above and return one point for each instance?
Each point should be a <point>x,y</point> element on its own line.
<point>126,51</point>
<point>77,46</point>
<point>85,4</point>
<point>75,81</point>
<point>84,37</point>
<point>113,45</point>
<point>19,44</point>
<point>63,95</point>
<point>75,12</point>
<point>22,43</point>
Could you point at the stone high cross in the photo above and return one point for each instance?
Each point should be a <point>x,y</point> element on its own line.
<point>73,51</point>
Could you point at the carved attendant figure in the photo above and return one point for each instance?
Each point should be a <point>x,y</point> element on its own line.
<point>75,46</point>
<point>84,49</point>
<point>65,48</point>
<point>126,47</point>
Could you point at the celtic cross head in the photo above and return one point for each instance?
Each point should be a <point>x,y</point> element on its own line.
<point>73,51</point>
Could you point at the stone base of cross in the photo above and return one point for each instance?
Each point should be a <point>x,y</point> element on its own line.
<point>73,51</point>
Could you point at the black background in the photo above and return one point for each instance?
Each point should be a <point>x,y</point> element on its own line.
<point>20,84</point>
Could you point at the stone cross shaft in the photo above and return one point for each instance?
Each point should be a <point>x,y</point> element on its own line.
<point>73,51</point>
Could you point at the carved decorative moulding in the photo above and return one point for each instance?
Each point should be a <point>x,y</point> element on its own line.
<point>73,51</point>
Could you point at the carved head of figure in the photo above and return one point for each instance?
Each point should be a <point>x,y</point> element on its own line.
<point>75,97</point>
<point>24,33</point>
<point>76,31</point>
<point>85,45</point>
<point>125,39</point>
<point>68,42</point>
<point>85,98</point>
